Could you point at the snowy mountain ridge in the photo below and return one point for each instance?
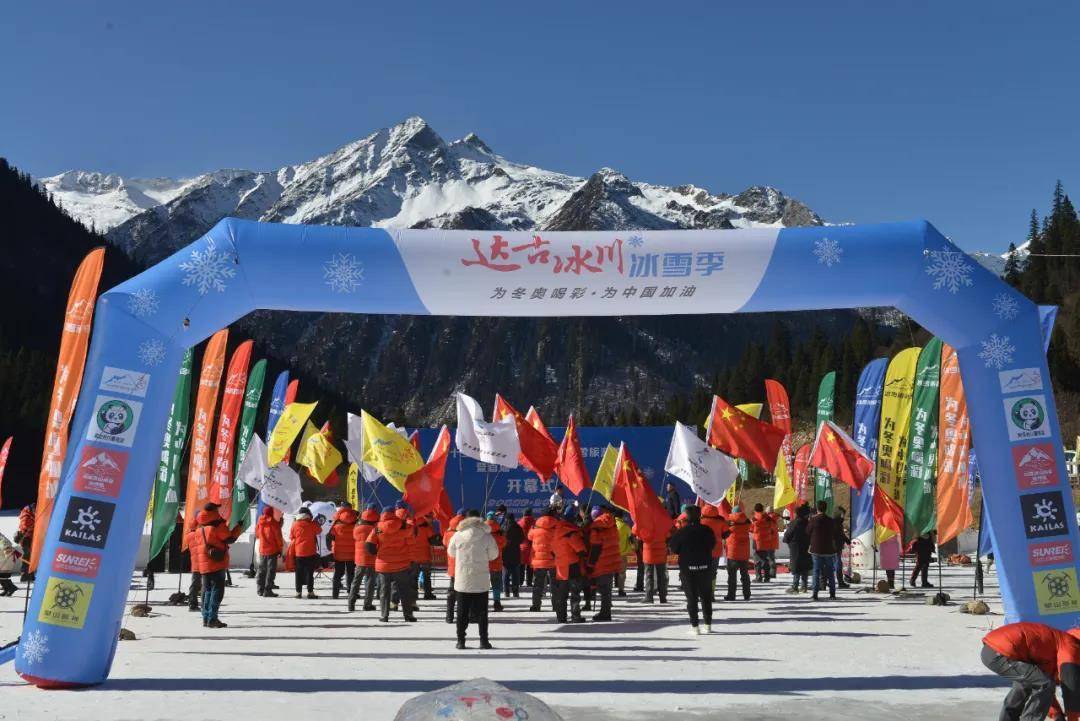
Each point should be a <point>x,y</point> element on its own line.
<point>404,176</point>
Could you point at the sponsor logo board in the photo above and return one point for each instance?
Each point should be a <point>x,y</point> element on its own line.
<point>87,522</point>
<point>1055,591</point>
<point>1026,418</point>
<point>121,380</point>
<point>115,421</point>
<point>65,602</point>
<point>1044,514</point>
<point>101,471</point>
<point>76,563</point>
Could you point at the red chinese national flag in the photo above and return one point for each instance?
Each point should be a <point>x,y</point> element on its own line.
<point>537,449</point>
<point>533,417</point>
<point>651,519</point>
<point>569,461</point>
<point>743,436</point>
<point>887,512</point>
<point>836,453</point>
<point>424,489</point>
<point>415,440</point>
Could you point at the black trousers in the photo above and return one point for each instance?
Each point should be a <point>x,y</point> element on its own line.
<point>526,572</point>
<point>736,571</point>
<point>305,573</point>
<point>450,600</point>
<point>603,585</point>
<point>472,605</point>
<point>342,568</point>
<point>542,578</point>
<point>363,576</point>
<point>511,578</point>
<point>404,584</point>
<point>922,566</point>
<point>424,569</point>
<point>267,571</point>
<point>1032,690</point>
<point>568,590</point>
<point>697,585</point>
<point>194,593</point>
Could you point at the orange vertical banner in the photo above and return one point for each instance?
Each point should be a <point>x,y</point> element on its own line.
<point>198,485</point>
<point>232,402</point>
<point>74,341</point>
<point>954,442</point>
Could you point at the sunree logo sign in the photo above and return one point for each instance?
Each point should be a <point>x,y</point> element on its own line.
<point>1026,418</point>
<point>87,522</point>
<point>1050,553</point>
<point>1035,466</point>
<point>120,380</point>
<point>76,563</point>
<point>101,471</point>
<point>1044,514</point>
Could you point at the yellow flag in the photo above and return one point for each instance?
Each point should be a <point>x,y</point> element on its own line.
<point>895,423</point>
<point>785,489</point>
<point>386,451</point>
<point>352,495</point>
<point>321,457</point>
<point>289,424</point>
<point>302,449</point>
<point>604,482</point>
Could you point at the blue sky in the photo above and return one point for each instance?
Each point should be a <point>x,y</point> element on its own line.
<point>961,112</point>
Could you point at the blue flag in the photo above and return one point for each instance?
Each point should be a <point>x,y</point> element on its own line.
<point>865,434</point>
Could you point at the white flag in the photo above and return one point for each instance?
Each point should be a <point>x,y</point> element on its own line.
<point>486,442</point>
<point>253,468</point>
<point>281,488</point>
<point>708,471</point>
<point>354,446</point>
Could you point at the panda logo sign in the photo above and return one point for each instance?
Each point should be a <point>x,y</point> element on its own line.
<point>115,421</point>
<point>1026,418</point>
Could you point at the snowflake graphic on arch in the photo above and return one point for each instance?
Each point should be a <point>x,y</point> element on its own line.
<point>635,241</point>
<point>34,647</point>
<point>152,352</point>
<point>828,252</point>
<point>143,303</point>
<point>343,273</point>
<point>950,269</point>
<point>208,269</point>
<point>997,352</point>
<point>1005,306</point>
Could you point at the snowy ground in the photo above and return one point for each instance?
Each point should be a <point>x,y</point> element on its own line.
<point>777,656</point>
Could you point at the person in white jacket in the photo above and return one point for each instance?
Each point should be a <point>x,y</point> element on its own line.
<point>472,549</point>
<point>10,562</point>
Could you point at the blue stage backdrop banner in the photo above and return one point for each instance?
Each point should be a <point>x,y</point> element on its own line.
<point>518,488</point>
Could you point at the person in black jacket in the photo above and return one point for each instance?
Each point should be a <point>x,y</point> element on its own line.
<point>842,540</point>
<point>823,548</point>
<point>512,555</point>
<point>923,547</point>
<point>672,502</point>
<point>797,539</point>
<point>694,544</point>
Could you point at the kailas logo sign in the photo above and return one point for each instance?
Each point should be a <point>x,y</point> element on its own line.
<point>1035,466</point>
<point>1044,514</point>
<point>1026,418</point>
<point>1021,380</point>
<point>1055,591</point>
<point>115,421</point>
<point>119,380</point>
<point>101,471</point>
<point>87,522</point>
<point>76,563</point>
<point>65,602</point>
<point>1051,553</point>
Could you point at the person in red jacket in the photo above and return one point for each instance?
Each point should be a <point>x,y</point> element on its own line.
<point>304,536</point>
<point>495,567</point>
<point>571,556</point>
<point>24,536</point>
<point>194,594</point>
<point>605,559</point>
<point>412,541</point>
<point>426,537</point>
<point>765,529</point>
<point>210,552</point>
<point>363,560</point>
<point>715,522</point>
<point>738,553</point>
<point>271,542</point>
<point>526,523</point>
<point>344,547</point>
<point>390,543</point>
<point>1036,658</point>
<point>541,537</point>
<point>451,529</point>
<point>654,558</point>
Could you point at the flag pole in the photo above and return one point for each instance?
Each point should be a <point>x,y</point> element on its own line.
<point>978,561</point>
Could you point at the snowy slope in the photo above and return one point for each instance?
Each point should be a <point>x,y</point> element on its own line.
<point>404,176</point>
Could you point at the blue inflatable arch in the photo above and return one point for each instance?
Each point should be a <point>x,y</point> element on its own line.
<point>146,324</point>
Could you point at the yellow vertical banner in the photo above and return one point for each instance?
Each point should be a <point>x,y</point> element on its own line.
<point>895,423</point>
<point>352,494</point>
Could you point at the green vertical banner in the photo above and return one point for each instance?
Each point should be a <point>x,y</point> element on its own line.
<point>241,501</point>
<point>167,482</point>
<point>921,471</point>
<point>825,402</point>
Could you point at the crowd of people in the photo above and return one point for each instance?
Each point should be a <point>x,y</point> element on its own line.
<point>575,555</point>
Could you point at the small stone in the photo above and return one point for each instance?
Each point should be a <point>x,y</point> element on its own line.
<point>977,608</point>
<point>855,577</point>
<point>882,586</point>
<point>141,610</point>
<point>126,635</point>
